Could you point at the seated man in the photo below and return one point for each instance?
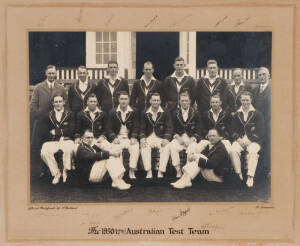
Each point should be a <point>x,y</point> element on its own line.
<point>218,118</point>
<point>123,130</point>
<point>94,119</point>
<point>57,130</point>
<point>187,130</point>
<point>247,133</point>
<point>93,165</point>
<point>155,132</point>
<point>211,163</point>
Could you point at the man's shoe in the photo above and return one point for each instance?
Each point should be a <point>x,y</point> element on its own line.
<point>64,176</point>
<point>132,174</point>
<point>185,182</point>
<point>241,176</point>
<point>160,174</point>
<point>149,175</point>
<point>120,184</point>
<point>56,178</point>
<point>250,181</point>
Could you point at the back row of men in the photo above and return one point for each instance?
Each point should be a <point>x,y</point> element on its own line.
<point>115,125</point>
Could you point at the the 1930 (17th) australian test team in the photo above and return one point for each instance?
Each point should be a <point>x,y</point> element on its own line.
<point>213,121</point>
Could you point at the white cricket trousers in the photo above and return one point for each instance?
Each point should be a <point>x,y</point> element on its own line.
<point>113,166</point>
<point>175,148</point>
<point>164,153</point>
<point>50,148</point>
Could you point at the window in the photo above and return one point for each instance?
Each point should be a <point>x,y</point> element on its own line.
<point>106,47</point>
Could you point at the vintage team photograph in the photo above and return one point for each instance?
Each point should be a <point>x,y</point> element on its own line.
<point>150,116</point>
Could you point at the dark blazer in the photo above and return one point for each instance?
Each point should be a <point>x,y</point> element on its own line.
<point>40,103</point>
<point>139,99</point>
<point>262,102</point>
<point>64,128</point>
<point>232,99</point>
<point>218,159</point>
<point>84,121</point>
<point>253,127</point>
<point>115,122</point>
<point>162,127</point>
<point>203,93</point>
<point>222,124</point>
<point>106,100</point>
<point>86,156</point>
<point>171,93</point>
<point>76,101</point>
<point>192,127</point>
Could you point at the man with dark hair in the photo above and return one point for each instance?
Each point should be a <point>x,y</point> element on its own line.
<point>211,84</point>
<point>187,130</point>
<point>41,103</point>
<point>108,88</point>
<point>220,119</point>
<point>57,131</point>
<point>176,83</point>
<point>92,165</point>
<point>155,132</point>
<point>79,91</point>
<point>144,87</point>
<point>247,133</point>
<point>212,163</point>
<point>234,91</point>
<point>123,130</point>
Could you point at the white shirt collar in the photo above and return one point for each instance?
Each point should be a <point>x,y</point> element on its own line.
<point>159,110</point>
<point>207,76</point>
<point>96,110</point>
<point>108,77</point>
<point>59,112</point>
<point>264,86</point>
<point>185,110</point>
<point>242,83</point>
<point>174,74</point>
<point>129,109</point>
<point>218,112</point>
<point>50,83</point>
<point>143,78</point>
<point>250,109</point>
<point>84,82</point>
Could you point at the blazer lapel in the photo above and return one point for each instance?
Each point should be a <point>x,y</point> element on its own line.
<point>117,83</point>
<point>210,117</point>
<point>250,115</point>
<point>241,118</point>
<point>217,85</point>
<point>105,83</point>
<point>221,116</point>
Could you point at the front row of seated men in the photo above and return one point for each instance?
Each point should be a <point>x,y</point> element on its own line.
<point>100,138</point>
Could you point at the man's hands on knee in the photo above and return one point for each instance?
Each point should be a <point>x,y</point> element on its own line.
<point>164,142</point>
<point>133,141</point>
<point>143,143</point>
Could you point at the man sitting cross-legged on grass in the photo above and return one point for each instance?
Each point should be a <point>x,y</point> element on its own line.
<point>92,165</point>
<point>211,162</point>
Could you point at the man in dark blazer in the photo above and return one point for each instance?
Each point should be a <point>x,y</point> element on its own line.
<point>262,102</point>
<point>144,87</point>
<point>176,83</point>
<point>156,131</point>
<point>41,103</point>
<point>220,119</point>
<point>92,165</point>
<point>94,119</point>
<point>209,85</point>
<point>123,130</point>
<point>234,91</point>
<point>187,130</point>
<point>108,88</point>
<point>212,163</point>
<point>247,134</point>
<point>57,129</point>
<point>79,91</point>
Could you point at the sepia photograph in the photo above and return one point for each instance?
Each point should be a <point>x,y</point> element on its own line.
<point>150,116</point>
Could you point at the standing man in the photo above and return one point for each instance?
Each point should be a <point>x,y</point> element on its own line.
<point>234,91</point>
<point>79,91</point>
<point>108,88</point>
<point>211,163</point>
<point>93,165</point>
<point>145,86</point>
<point>262,102</point>
<point>220,119</point>
<point>41,102</point>
<point>187,130</point>
<point>176,83</point>
<point>247,134</point>
<point>123,130</point>
<point>155,132</point>
<point>57,130</point>
<point>209,85</point>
